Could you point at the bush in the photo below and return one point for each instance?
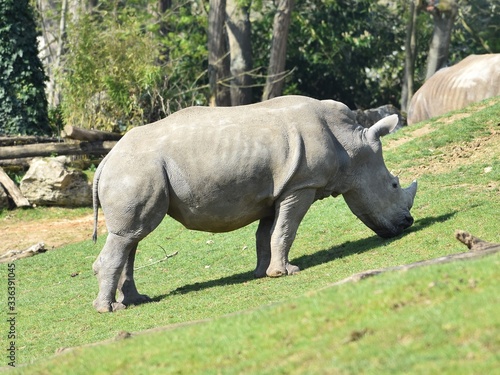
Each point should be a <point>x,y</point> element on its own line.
<point>126,70</point>
<point>23,104</point>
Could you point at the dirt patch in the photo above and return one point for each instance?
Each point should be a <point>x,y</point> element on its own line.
<point>480,150</point>
<point>415,134</point>
<point>53,232</point>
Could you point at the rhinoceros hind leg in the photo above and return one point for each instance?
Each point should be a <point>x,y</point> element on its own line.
<point>127,291</point>
<point>289,213</point>
<point>108,267</point>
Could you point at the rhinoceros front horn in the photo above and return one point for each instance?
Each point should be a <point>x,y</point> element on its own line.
<point>411,191</point>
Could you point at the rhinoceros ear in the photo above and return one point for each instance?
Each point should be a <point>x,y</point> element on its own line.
<point>383,127</point>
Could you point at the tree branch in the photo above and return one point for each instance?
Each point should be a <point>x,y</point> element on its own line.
<point>478,247</point>
<point>159,260</point>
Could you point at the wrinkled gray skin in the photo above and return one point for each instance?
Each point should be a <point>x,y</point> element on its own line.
<point>219,169</point>
<point>475,78</point>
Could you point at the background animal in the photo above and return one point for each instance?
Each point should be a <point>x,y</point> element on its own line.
<point>473,79</point>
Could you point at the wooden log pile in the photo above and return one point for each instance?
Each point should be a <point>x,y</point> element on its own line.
<point>18,151</point>
<point>76,141</point>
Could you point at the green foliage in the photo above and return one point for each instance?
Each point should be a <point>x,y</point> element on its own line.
<point>345,50</point>
<point>353,51</point>
<point>23,105</point>
<point>128,68</point>
<point>474,32</point>
<point>476,29</point>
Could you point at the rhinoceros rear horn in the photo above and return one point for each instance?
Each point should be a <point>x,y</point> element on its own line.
<point>383,127</point>
<point>411,191</point>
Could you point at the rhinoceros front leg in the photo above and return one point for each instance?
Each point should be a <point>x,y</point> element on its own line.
<point>263,243</point>
<point>289,213</point>
<point>127,291</point>
<point>108,267</point>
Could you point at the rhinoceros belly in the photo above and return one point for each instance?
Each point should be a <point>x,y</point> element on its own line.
<point>220,201</point>
<point>224,177</point>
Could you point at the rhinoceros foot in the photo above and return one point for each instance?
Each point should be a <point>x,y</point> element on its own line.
<point>115,306</point>
<point>136,299</point>
<point>290,269</point>
<point>104,307</point>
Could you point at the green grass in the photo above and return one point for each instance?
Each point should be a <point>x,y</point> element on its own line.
<point>33,214</point>
<point>441,319</point>
<point>417,322</point>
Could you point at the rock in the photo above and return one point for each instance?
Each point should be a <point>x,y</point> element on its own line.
<point>49,182</point>
<point>369,117</point>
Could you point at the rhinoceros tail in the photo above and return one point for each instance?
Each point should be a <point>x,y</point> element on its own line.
<point>95,197</point>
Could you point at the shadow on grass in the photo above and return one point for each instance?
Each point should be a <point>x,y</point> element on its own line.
<point>312,260</point>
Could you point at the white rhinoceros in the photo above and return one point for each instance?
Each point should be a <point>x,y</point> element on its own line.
<point>219,169</point>
<point>475,78</point>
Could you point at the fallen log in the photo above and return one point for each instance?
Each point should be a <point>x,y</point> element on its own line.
<point>13,190</point>
<point>13,255</point>
<point>81,134</point>
<point>478,248</point>
<point>48,149</point>
<point>8,164</point>
<point>25,139</point>
<point>474,243</point>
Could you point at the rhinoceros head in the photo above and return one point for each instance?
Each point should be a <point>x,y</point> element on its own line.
<point>376,196</point>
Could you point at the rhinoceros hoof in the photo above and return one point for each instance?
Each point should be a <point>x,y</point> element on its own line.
<point>135,300</point>
<point>102,307</point>
<point>260,272</point>
<point>276,273</point>
<point>118,306</point>
<point>289,270</point>
<point>108,307</point>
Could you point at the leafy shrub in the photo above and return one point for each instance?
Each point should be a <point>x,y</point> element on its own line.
<point>23,104</point>
<point>126,69</point>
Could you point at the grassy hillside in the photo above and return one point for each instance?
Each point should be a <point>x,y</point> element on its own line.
<point>441,319</point>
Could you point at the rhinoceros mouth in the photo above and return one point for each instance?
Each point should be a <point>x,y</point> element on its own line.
<point>395,230</point>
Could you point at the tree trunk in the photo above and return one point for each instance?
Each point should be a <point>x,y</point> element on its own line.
<point>48,44</point>
<point>25,139</point>
<point>48,149</point>
<point>218,65</point>
<point>80,134</point>
<point>444,15</point>
<point>54,97</point>
<point>13,190</point>
<point>276,71</point>
<point>410,55</point>
<point>164,5</point>
<point>240,47</point>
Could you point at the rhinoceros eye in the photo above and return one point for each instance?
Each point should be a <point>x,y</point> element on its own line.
<point>395,185</point>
